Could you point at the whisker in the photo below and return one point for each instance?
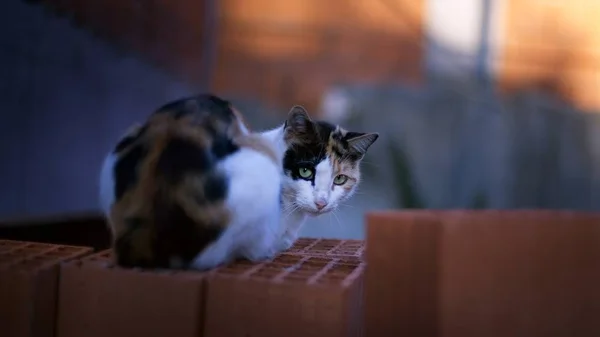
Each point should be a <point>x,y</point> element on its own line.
<point>338,220</point>
<point>289,210</point>
<point>376,165</point>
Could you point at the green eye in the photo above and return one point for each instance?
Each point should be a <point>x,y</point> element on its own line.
<point>340,179</point>
<point>305,173</point>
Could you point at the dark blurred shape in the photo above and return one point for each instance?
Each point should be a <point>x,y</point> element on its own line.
<point>83,229</point>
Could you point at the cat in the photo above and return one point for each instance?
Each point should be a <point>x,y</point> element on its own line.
<point>192,188</point>
<point>321,168</point>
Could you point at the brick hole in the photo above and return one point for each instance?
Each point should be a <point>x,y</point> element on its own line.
<point>31,263</point>
<point>15,251</point>
<point>275,266</point>
<point>313,265</point>
<point>99,257</point>
<point>301,274</point>
<point>295,249</point>
<point>304,241</point>
<point>322,245</point>
<point>340,269</point>
<point>322,260</point>
<point>287,259</point>
<point>38,246</point>
<point>327,279</point>
<point>42,257</point>
<point>332,242</point>
<point>349,260</point>
<point>321,251</point>
<point>53,254</point>
<point>8,245</point>
<point>265,271</point>
<point>304,273</point>
<point>67,250</point>
<point>296,278</point>
<point>345,252</point>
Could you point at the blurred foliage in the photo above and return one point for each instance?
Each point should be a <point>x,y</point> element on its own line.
<point>404,181</point>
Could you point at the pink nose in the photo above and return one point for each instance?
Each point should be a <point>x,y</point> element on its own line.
<point>320,204</point>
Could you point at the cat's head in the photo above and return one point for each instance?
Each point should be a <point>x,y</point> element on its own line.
<point>321,163</point>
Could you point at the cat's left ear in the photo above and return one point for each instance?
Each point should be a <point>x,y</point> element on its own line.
<point>360,142</point>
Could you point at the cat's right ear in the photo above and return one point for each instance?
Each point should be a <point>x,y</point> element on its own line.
<point>298,123</point>
<point>298,119</point>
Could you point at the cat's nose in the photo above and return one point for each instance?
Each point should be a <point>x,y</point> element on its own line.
<point>320,204</point>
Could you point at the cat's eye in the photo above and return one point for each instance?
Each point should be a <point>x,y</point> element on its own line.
<point>340,179</point>
<point>305,173</point>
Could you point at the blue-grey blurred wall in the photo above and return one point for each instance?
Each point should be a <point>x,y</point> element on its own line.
<point>66,96</point>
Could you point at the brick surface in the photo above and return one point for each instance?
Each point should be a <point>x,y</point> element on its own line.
<point>483,273</point>
<point>99,300</point>
<point>29,275</point>
<point>328,247</point>
<point>290,296</point>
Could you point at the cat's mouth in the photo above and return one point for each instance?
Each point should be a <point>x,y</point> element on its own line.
<point>314,212</point>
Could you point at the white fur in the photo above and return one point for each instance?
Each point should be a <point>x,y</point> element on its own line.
<point>107,186</point>
<point>253,199</point>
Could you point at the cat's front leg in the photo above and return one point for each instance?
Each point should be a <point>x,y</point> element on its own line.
<point>286,241</point>
<point>291,226</point>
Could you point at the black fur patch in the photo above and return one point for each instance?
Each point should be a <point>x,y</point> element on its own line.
<point>180,157</point>
<point>124,246</point>
<point>308,155</point>
<point>197,104</point>
<point>126,170</point>
<point>129,139</point>
<point>215,187</point>
<point>223,146</point>
<point>180,236</point>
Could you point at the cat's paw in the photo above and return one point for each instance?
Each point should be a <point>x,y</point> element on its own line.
<point>260,256</point>
<point>285,243</point>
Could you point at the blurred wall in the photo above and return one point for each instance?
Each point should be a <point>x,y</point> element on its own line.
<point>65,98</point>
<point>552,45</point>
<point>290,52</point>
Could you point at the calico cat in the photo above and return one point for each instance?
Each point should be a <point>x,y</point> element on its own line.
<point>192,188</point>
<point>321,168</point>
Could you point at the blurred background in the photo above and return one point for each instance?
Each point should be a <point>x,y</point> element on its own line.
<point>479,103</point>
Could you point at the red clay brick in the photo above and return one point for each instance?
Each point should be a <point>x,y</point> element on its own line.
<point>328,247</point>
<point>29,274</point>
<point>98,300</point>
<point>290,296</point>
<point>483,273</point>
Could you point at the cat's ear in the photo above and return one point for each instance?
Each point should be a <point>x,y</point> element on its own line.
<point>360,142</point>
<point>298,119</point>
<point>298,124</point>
